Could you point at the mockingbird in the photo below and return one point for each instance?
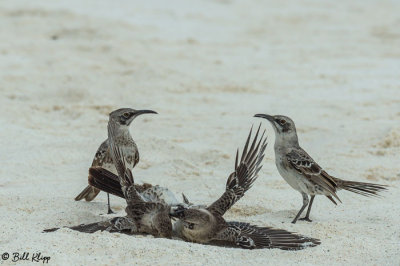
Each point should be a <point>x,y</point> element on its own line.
<point>141,216</point>
<point>206,224</point>
<point>122,118</point>
<point>302,173</point>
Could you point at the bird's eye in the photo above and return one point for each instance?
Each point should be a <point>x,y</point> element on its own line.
<point>280,121</point>
<point>126,115</point>
<point>191,226</point>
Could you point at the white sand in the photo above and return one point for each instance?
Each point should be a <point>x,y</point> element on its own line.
<point>207,67</point>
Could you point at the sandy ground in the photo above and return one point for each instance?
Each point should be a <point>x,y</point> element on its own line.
<point>207,67</point>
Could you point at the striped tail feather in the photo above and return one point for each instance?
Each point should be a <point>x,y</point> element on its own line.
<point>362,188</point>
<point>106,181</point>
<point>89,193</point>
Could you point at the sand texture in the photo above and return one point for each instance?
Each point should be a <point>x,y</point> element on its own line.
<point>207,67</point>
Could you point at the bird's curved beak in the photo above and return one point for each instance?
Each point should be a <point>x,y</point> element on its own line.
<point>140,112</point>
<point>268,117</point>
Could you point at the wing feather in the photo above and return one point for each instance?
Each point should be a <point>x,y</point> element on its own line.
<point>246,172</point>
<point>250,236</point>
<point>304,164</point>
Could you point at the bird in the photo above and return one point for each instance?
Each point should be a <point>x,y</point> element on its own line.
<point>107,181</point>
<point>122,117</point>
<point>150,217</point>
<point>207,225</point>
<point>303,174</point>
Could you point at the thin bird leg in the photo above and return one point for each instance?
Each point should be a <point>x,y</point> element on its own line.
<point>108,203</point>
<point>307,217</point>
<point>305,203</point>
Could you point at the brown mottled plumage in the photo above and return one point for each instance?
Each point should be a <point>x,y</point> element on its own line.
<point>109,182</point>
<point>123,118</point>
<point>303,174</point>
<point>206,224</point>
<point>142,216</point>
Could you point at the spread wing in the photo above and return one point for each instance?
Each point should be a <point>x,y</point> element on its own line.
<point>116,224</point>
<point>304,164</point>
<point>246,172</point>
<point>250,236</point>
